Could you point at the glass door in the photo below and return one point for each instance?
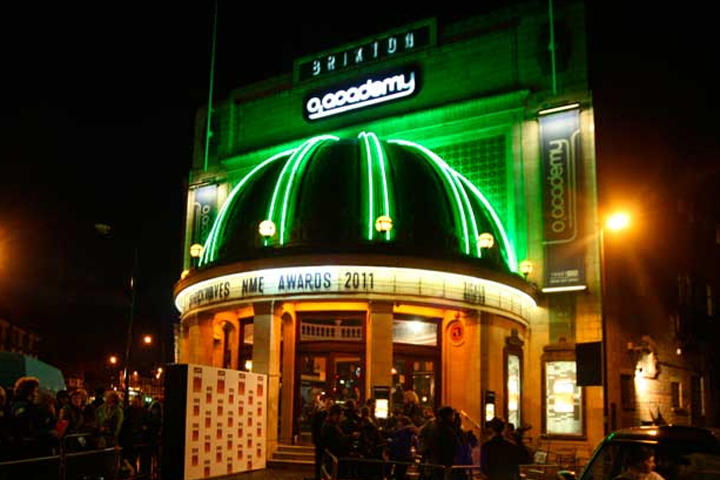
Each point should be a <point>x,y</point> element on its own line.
<point>415,374</point>
<point>338,375</point>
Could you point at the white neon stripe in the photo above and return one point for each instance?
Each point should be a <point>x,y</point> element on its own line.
<point>573,288</point>
<point>559,109</point>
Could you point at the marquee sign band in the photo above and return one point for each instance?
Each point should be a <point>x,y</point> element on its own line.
<point>342,279</point>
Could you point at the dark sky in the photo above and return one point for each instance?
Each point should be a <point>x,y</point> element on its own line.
<point>98,102</point>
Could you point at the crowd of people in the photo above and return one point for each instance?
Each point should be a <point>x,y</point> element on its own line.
<point>34,423</point>
<point>412,435</point>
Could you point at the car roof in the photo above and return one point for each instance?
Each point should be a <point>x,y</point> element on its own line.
<point>667,433</point>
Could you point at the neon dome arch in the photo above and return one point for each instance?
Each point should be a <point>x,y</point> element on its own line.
<point>328,193</point>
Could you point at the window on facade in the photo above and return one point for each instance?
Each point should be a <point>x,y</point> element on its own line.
<point>331,329</point>
<point>246,345</point>
<point>415,332</point>
<point>676,394</point>
<point>513,389</point>
<point>709,300</point>
<point>627,391</point>
<point>563,399</point>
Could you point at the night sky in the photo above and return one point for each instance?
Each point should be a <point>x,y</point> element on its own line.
<point>98,104</point>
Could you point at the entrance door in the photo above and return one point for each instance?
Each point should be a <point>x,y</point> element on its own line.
<point>337,374</point>
<point>416,372</point>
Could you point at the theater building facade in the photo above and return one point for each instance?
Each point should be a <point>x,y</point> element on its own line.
<point>415,210</point>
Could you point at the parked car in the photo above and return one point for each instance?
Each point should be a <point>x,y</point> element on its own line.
<point>680,453</point>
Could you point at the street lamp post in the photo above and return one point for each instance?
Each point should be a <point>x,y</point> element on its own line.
<point>615,222</point>
<point>128,341</point>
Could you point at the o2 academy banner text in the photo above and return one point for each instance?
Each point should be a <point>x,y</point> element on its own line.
<point>561,161</point>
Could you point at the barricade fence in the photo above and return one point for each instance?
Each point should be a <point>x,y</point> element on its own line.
<point>77,460</point>
<point>349,468</point>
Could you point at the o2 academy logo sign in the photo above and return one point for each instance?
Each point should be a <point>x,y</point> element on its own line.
<point>367,91</point>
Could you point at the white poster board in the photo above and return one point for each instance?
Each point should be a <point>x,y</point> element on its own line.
<point>225,423</point>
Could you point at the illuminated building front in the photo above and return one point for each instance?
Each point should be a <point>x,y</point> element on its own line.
<point>416,210</point>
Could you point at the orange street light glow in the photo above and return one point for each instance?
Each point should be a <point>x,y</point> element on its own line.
<point>618,221</point>
<point>147,339</point>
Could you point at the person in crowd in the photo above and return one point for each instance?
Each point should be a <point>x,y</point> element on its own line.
<point>438,442</point>
<point>411,408</point>
<point>92,407</point>
<point>154,431</point>
<point>371,404</point>
<point>351,419</point>
<point>109,420</point>
<point>32,434</point>
<point>317,420</point>
<point>370,444</point>
<point>400,445</point>
<point>334,439</point>
<point>62,398</point>
<point>640,465</point>
<point>5,428</point>
<point>75,413</point>
<point>467,441</point>
<point>446,442</point>
<point>133,436</point>
<point>500,458</point>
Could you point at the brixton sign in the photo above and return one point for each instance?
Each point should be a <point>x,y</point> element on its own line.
<point>363,93</point>
<point>384,47</point>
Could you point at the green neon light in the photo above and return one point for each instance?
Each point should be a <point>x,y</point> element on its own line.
<point>386,195</point>
<point>210,248</point>
<point>511,256</point>
<point>442,166</point>
<point>299,159</point>
<point>471,213</point>
<point>371,206</point>
<point>279,183</point>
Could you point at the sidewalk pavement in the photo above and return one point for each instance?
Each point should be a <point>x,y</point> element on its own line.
<point>274,474</point>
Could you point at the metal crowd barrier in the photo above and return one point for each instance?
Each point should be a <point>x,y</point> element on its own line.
<point>348,468</point>
<point>93,464</point>
<point>77,461</point>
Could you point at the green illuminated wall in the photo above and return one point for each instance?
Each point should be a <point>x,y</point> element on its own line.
<point>480,85</point>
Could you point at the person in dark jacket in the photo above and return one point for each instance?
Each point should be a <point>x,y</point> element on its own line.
<point>5,428</point>
<point>334,439</point>
<point>400,444</point>
<point>75,413</point>
<point>500,458</point>
<point>439,441</point>
<point>317,420</point>
<point>34,435</point>
<point>133,435</point>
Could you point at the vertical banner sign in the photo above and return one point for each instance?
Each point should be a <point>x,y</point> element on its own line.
<point>205,210</point>
<point>561,159</point>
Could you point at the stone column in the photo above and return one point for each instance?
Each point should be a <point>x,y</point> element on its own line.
<point>379,346</point>
<point>287,390</point>
<point>200,342</point>
<point>266,360</point>
<point>462,362</point>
